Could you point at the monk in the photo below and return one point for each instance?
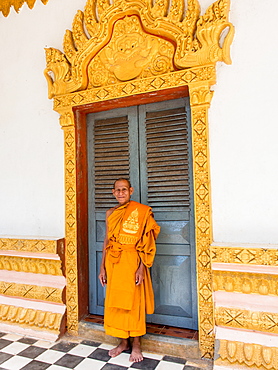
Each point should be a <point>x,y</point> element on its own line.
<point>128,252</point>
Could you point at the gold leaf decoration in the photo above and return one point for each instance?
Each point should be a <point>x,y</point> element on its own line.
<point>245,319</point>
<point>5,5</point>
<point>30,318</point>
<point>194,41</point>
<point>247,355</point>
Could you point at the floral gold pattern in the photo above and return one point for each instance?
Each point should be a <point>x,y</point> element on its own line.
<point>196,39</point>
<point>245,319</point>
<point>200,100</point>
<point>254,256</point>
<point>28,317</point>
<point>245,282</point>
<point>5,5</point>
<point>92,69</point>
<point>29,245</point>
<point>150,84</point>
<point>28,291</point>
<point>252,355</point>
<point>34,265</point>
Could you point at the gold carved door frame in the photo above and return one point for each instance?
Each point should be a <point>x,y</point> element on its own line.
<point>129,48</point>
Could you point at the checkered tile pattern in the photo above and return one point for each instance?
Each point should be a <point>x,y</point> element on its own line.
<point>24,353</point>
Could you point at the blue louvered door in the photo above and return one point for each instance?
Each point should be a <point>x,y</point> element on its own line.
<point>150,145</point>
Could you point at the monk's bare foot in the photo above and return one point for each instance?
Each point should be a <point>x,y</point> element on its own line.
<point>123,346</point>
<point>136,353</point>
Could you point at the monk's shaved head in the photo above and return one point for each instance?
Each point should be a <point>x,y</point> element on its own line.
<point>122,179</point>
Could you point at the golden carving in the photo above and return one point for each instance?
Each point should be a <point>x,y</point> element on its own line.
<point>132,53</point>
<point>254,256</point>
<point>165,81</point>
<point>245,319</point>
<point>247,354</point>
<point>245,282</point>
<point>34,265</point>
<point>199,116</point>
<point>132,47</point>
<point>43,293</point>
<point>67,122</point>
<point>33,319</point>
<point>29,245</point>
<point>5,5</point>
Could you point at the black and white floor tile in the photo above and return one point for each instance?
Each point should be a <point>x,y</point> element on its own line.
<point>24,353</point>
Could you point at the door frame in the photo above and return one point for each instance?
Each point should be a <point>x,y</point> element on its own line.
<point>73,122</point>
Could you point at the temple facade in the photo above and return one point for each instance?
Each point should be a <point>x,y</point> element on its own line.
<point>179,98</point>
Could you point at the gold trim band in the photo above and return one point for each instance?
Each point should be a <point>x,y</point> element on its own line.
<point>34,265</point>
<point>245,319</point>
<point>30,318</point>
<point>245,282</point>
<point>29,245</point>
<point>42,293</point>
<point>254,256</point>
<point>247,354</point>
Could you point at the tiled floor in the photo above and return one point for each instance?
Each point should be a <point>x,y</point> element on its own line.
<point>155,329</point>
<point>23,353</point>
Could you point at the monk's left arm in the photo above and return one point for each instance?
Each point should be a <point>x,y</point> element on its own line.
<point>139,276</point>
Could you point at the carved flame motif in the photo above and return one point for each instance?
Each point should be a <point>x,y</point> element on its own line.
<point>5,5</point>
<point>121,43</point>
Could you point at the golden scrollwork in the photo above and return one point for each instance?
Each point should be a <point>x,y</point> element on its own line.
<point>131,53</point>
<point>247,355</point>
<point>245,319</point>
<point>29,245</point>
<point>245,282</point>
<point>43,293</point>
<point>67,122</point>
<point>5,5</point>
<point>30,318</point>
<point>254,256</point>
<point>199,110</point>
<point>34,265</point>
<point>166,81</point>
<point>123,48</point>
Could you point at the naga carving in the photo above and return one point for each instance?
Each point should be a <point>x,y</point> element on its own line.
<point>127,39</point>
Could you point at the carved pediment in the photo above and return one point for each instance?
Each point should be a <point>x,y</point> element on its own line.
<point>126,40</point>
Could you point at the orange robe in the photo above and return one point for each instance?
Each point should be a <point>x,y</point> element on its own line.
<point>132,231</point>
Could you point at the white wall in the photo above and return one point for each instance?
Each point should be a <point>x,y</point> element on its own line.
<point>244,130</point>
<point>31,140</point>
<point>243,126</point>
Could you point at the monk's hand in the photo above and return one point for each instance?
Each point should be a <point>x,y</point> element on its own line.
<point>139,276</point>
<point>102,276</point>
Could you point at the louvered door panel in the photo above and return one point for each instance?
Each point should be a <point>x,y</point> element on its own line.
<point>111,151</point>
<point>167,159</point>
<point>166,177</point>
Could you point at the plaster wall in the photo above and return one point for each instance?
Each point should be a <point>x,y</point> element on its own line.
<point>242,126</point>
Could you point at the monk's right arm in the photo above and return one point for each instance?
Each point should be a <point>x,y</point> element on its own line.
<point>102,274</point>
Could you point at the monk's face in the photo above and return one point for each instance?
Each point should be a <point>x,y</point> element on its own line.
<point>122,191</point>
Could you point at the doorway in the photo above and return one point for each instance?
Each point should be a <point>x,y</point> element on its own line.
<point>150,145</point>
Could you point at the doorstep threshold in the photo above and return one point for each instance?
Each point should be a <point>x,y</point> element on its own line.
<point>153,343</point>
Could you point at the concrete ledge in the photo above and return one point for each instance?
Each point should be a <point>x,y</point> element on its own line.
<point>184,348</point>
